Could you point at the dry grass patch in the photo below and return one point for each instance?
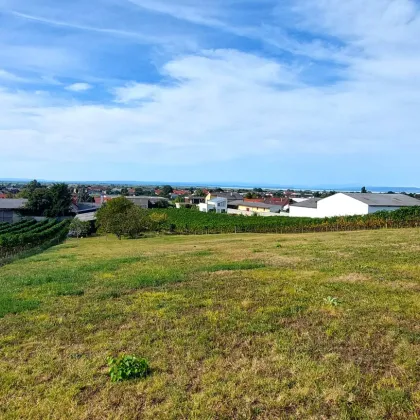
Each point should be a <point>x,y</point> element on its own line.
<point>229,332</point>
<point>352,278</point>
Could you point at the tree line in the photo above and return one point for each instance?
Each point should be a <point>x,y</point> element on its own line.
<point>53,201</point>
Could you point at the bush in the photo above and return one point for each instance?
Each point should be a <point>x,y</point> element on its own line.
<point>127,367</point>
<point>78,228</point>
<point>122,218</point>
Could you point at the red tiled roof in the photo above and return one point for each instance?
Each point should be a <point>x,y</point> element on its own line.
<point>254,200</point>
<point>103,199</point>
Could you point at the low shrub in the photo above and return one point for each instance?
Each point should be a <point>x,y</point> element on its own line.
<point>127,367</point>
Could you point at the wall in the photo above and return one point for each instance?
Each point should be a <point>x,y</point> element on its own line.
<point>253,209</point>
<point>220,207</point>
<point>6,216</point>
<point>205,207</point>
<point>341,205</point>
<point>251,213</point>
<point>303,212</point>
<point>376,209</point>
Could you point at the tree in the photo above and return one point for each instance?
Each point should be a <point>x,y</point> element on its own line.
<point>138,191</point>
<point>60,200</point>
<point>166,190</point>
<point>199,193</point>
<point>83,195</point>
<point>33,185</point>
<point>50,202</point>
<point>79,228</point>
<point>121,217</point>
<point>279,193</point>
<point>135,221</point>
<point>363,190</point>
<point>157,221</point>
<point>124,192</point>
<point>39,202</point>
<point>250,195</point>
<point>161,204</point>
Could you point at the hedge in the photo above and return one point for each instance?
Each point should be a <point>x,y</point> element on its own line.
<point>185,221</point>
<point>33,238</point>
<point>17,226</point>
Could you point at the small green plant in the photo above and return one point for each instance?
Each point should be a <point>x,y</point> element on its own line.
<point>127,367</point>
<point>332,301</point>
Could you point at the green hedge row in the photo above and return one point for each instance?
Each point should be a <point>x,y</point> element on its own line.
<point>31,239</point>
<point>190,221</point>
<point>17,226</point>
<point>38,226</point>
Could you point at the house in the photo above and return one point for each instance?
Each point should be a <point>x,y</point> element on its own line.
<point>216,204</point>
<point>195,200</point>
<point>254,207</point>
<point>351,204</point>
<point>9,209</point>
<point>230,196</point>
<point>181,192</point>
<point>81,208</point>
<point>275,201</point>
<point>148,202</point>
<point>103,199</point>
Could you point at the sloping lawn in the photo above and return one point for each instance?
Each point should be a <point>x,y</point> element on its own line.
<point>234,326</point>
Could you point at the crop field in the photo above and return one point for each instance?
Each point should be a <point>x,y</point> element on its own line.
<point>187,221</point>
<point>246,326</point>
<point>28,234</point>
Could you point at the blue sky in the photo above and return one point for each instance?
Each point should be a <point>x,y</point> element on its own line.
<point>301,92</point>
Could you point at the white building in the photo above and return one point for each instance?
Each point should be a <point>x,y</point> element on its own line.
<point>215,204</point>
<point>306,208</point>
<point>351,204</point>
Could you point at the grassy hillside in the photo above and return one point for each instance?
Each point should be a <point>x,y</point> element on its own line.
<point>239,326</point>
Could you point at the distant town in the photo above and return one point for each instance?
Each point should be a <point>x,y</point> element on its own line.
<point>17,198</point>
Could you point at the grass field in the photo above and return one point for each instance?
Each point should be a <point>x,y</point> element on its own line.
<point>242,326</point>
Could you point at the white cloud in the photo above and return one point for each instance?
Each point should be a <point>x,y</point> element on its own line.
<point>224,104</point>
<point>136,92</point>
<point>11,77</point>
<point>79,87</point>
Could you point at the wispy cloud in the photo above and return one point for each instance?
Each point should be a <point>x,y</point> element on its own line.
<point>11,77</point>
<point>79,87</point>
<point>313,81</point>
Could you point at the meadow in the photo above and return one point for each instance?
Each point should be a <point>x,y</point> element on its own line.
<point>246,326</point>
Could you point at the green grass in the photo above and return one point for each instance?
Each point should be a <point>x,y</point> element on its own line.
<point>234,326</point>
